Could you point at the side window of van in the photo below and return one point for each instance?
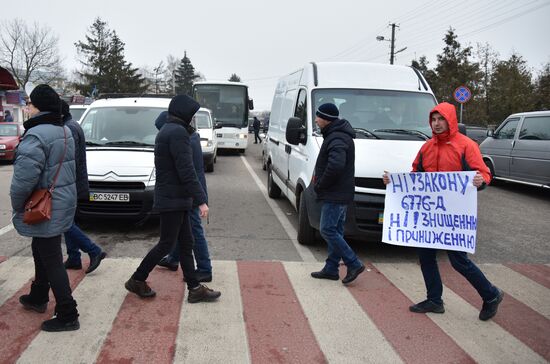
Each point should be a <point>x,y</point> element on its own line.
<point>508,130</point>
<point>301,107</point>
<point>535,128</point>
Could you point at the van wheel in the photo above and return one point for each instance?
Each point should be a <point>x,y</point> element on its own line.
<point>489,165</point>
<point>242,151</point>
<point>306,234</point>
<point>273,190</point>
<point>210,167</point>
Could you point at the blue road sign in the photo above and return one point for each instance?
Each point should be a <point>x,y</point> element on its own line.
<point>462,94</point>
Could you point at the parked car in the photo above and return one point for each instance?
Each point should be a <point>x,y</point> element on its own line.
<point>120,139</point>
<point>209,140</point>
<point>476,133</point>
<point>10,135</point>
<point>519,149</point>
<point>77,111</point>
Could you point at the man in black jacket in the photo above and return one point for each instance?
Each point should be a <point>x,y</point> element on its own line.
<point>177,189</point>
<point>334,183</point>
<point>256,126</point>
<point>75,239</point>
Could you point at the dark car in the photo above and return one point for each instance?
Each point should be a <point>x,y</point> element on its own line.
<point>476,133</point>
<point>10,135</point>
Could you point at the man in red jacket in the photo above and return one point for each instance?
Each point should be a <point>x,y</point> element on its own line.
<point>448,151</point>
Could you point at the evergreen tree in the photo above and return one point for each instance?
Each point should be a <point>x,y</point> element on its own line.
<point>105,69</point>
<point>542,94</point>
<point>422,66</point>
<point>511,88</point>
<point>185,76</point>
<point>234,78</point>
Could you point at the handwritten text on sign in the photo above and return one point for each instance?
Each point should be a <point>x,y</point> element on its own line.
<point>431,210</point>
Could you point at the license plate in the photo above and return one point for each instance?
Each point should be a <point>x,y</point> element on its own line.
<point>380,217</point>
<point>114,197</point>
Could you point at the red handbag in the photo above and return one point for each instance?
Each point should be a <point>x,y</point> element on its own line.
<point>38,207</point>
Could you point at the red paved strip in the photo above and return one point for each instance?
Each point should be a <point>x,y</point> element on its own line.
<point>415,337</point>
<point>3,258</point>
<point>145,330</point>
<point>529,326</point>
<point>277,328</point>
<point>18,327</point>
<point>539,273</point>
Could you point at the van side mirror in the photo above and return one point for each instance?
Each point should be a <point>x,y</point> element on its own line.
<point>490,133</point>
<point>295,131</point>
<point>250,104</point>
<point>218,125</point>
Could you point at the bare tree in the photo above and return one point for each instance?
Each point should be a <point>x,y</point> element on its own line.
<point>30,52</point>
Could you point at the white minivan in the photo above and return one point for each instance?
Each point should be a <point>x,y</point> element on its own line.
<point>209,140</point>
<point>387,105</point>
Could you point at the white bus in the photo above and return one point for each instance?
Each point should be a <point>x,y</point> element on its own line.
<point>229,104</point>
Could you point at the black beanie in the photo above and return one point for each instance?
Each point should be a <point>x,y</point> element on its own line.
<point>183,107</point>
<point>44,98</point>
<point>328,112</point>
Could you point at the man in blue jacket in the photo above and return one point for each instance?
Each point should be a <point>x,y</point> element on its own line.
<point>334,183</point>
<point>177,188</point>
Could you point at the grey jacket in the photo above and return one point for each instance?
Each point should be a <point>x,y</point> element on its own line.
<point>37,158</point>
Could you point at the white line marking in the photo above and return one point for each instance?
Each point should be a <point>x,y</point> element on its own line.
<point>304,252</point>
<point>6,229</point>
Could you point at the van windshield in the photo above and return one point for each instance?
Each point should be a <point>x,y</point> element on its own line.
<point>387,114</point>
<point>121,126</point>
<point>202,120</point>
<point>76,113</point>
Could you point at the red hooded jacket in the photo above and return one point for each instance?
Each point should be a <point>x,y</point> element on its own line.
<point>451,150</point>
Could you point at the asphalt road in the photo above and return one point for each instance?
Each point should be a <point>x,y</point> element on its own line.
<point>514,222</point>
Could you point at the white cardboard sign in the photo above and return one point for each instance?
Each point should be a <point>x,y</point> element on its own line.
<point>435,210</point>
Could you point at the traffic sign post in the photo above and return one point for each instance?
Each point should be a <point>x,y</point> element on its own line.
<point>462,94</point>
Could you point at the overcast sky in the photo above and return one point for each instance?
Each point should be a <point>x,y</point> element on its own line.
<point>263,40</point>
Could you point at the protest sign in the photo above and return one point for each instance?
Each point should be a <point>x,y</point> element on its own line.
<point>435,210</point>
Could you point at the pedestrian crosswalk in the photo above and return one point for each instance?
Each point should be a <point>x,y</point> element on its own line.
<point>273,312</point>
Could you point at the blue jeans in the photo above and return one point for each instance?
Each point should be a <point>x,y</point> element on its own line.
<point>76,241</point>
<point>333,217</point>
<point>200,248</point>
<point>463,265</point>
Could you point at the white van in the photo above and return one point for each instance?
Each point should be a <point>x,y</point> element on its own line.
<point>387,105</point>
<point>209,140</point>
<point>120,144</point>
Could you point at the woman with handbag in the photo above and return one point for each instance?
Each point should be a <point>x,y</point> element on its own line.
<point>45,167</point>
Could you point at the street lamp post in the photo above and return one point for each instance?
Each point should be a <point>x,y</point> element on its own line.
<point>392,40</point>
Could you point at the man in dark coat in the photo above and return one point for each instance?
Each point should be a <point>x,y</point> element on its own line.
<point>256,126</point>
<point>334,183</point>
<point>75,239</point>
<point>177,188</point>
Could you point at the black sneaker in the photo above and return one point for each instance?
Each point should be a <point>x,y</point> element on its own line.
<point>490,308</point>
<point>167,263</point>
<point>353,274</point>
<point>427,306</point>
<point>95,261</point>
<point>72,265</point>
<point>56,325</point>
<point>25,300</point>
<point>202,294</point>
<point>322,274</point>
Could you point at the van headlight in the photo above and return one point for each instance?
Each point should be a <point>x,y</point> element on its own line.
<point>243,136</point>
<point>2,146</point>
<point>206,143</point>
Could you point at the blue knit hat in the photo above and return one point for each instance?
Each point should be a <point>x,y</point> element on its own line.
<point>328,112</point>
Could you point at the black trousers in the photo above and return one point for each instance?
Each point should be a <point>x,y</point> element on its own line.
<point>174,226</point>
<point>49,271</point>
<point>257,136</point>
